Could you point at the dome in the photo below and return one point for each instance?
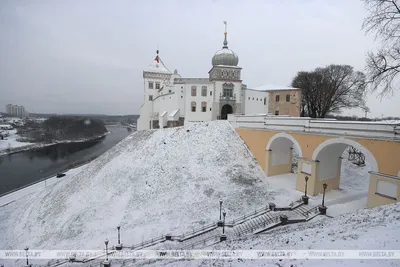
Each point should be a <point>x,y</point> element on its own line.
<point>225,56</point>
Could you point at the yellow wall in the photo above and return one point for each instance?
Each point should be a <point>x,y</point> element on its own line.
<point>386,153</point>
<point>377,200</point>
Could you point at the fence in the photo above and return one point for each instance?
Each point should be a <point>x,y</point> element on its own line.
<point>245,230</point>
<point>378,130</point>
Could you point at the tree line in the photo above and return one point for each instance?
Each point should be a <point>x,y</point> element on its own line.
<point>330,89</point>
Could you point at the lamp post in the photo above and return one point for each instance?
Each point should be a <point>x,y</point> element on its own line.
<point>26,250</point>
<point>223,236</point>
<point>305,197</point>
<point>323,195</point>
<point>119,245</point>
<point>106,263</point>
<point>220,209</point>
<point>220,213</point>
<point>322,209</point>
<point>223,225</point>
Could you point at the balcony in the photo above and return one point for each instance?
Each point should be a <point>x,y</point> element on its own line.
<point>227,98</point>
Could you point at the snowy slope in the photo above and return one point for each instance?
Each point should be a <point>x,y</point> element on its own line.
<point>151,183</point>
<point>375,229</point>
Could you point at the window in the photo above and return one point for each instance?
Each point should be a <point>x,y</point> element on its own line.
<point>169,91</point>
<point>277,98</point>
<point>265,101</point>
<point>194,89</point>
<point>210,109</point>
<point>210,92</point>
<point>150,97</point>
<point>257,98</point>
<point>151,85</point>
<point>227,89</point>
<point>193,104</point>
<point>253,98</point>
<point>203,106</point>
<point>287,98</point>
<point>204,91</point>
<point>181,96</point>
<point>249,97</point>
<point>276,112</point>
<point>157,85</point>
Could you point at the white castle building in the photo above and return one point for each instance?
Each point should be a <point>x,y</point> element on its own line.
<point>170,100</point>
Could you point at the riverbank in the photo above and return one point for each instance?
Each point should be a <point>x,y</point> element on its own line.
<point>34,187</point>
<point>20,147</point>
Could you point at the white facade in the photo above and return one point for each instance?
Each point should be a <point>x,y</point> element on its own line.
<point>169,98</point>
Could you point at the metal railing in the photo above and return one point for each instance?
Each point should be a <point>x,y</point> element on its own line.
<point>147,242</point>
<point>199,230</point>
<point>202,241</point>
<point>248,215</point>
<point>259,225</point>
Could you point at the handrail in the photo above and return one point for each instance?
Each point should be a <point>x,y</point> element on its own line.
<point>245,216</point>
<point>143,243</point>
<point>200,241</point>
<point>257,226</point>
<point>198,230</point>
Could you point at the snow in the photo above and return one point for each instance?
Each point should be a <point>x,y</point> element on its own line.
<point>151,183</point>
<point>11,142</point>
<point>367,229</point>
<point>170,181</point>
<point>158,67</point>
<point>272,87</point>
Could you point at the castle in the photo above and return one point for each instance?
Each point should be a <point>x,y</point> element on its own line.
<point>170,100</point>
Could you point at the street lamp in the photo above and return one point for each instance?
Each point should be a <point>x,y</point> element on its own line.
<point>220,214</point>
<point>305,197</point>
<point>223,236</point>
<point>322,209</point>
<point>223,225</point>
<point>220,209</point>
<point>119,246</point>
<point>323,195</point>
<point>106,242</point>
<point>27,261</point>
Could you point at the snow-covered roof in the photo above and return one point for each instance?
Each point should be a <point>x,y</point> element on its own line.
<point>173,113</point>
<point>157,66</point>
<point>273,87</point>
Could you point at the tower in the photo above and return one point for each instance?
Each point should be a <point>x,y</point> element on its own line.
<point>227,83</point>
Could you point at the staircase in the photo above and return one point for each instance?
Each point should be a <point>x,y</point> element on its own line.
<point>258,221</point>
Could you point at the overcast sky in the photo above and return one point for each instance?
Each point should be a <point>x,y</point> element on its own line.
<point>87,56</point>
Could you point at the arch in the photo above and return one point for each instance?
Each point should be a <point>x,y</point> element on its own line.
<point>193,90</point>
<point>225,110</point>
<point>287,136</point>
<point>343,141</point>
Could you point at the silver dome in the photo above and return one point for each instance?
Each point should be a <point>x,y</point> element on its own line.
<point>225,57</point>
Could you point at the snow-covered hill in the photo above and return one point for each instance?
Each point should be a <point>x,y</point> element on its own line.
<point>368,229</point>
<point>151,183</point>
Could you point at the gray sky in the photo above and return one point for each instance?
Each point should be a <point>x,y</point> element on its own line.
<point>87,56</point>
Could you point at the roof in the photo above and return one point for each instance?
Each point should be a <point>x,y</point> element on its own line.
<point>272,87</point>
<point>157,66</point>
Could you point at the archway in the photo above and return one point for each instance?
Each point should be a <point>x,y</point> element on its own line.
<point>336,170</point>
<point>281,151</point>
<point>225,110</point>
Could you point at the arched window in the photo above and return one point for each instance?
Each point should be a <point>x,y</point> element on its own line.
<point>227,89</point>
<point>203,106</point>
<point>193,104</point>
<point>194,90</point>
<point>204,91</point>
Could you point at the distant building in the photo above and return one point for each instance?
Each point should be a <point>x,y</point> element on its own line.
<point>17,111</point>
<point>171,100</point>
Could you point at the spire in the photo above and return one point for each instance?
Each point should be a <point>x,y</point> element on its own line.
<point>157,58</point>
<point>225,33</point>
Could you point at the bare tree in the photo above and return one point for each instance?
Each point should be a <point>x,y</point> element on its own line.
<point>383,66</point>
<point>330,89</point>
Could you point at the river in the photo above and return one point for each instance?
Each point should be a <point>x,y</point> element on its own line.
<point>20,169</point>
